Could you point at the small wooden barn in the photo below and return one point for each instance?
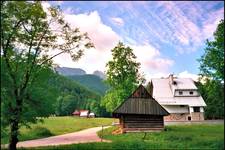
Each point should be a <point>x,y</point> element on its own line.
<point>140,112</point>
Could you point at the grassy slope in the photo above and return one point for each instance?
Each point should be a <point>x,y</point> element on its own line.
<point>176,137</point>
<point>59,125</point>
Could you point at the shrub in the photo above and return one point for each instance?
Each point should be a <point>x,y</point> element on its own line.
<point>41,131</point>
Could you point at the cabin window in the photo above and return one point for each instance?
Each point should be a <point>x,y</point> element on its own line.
<point>196,109</point>
<point>180,93</point>
<point>191,92</point>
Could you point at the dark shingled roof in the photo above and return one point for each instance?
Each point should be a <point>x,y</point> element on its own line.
<point>140,102</point>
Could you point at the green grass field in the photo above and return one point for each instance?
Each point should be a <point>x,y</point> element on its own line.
<point>176,137</point>
<point>58,125</point>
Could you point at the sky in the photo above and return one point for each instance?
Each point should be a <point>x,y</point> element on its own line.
<point>166,36</point>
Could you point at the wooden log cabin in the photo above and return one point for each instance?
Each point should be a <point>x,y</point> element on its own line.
<point>140,112</point>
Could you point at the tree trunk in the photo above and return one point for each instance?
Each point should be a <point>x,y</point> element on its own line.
<point>13,134</point>
<point>14,124</point>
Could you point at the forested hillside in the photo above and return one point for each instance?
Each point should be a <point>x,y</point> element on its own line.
<point>69,95</point>
<point>92,82</point>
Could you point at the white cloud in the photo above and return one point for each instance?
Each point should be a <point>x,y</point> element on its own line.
<point>157,75</point>
<point>152,63</point>
<point>91,61</point>
<point>145,52</point>
<point>117,21</point>
<point>183,74</point>
<point>186,74</point>
<point>103,37</point>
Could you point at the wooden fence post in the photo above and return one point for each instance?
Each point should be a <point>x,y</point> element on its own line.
<point>102,133</point>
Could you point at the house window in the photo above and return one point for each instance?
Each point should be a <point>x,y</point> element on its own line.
<point>189,118</point>
<point>180,93</point>
<point>196,109</point>
<point>182,106</point>
<point>191,92</point>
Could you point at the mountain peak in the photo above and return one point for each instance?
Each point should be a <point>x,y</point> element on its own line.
<point>99,74</point>
<point>66,71</point>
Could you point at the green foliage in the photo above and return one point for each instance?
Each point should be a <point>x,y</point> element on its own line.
<point>28,34</point>
<point>39,95</point>
<point>212,92</point>
<point>212,68</point>
<point>212,62</point>
<point>65,105</point>
<point>42,132</point>
<point>122,76</point>
<point>92,82</point>
<point>71,95</point>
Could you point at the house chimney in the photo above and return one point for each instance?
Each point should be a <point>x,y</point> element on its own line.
<point>171,79</point>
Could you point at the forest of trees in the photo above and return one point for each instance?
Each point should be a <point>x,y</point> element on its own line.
<point>212,72</point>
<point>28,34</point>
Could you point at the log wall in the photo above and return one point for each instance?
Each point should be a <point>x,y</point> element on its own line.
<point>142,122</point>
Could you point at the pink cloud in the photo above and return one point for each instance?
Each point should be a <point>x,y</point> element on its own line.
<point>103,37</point>
<point>181,29</point>
<point>151,59</point>
<point>159,64</point>
<point>209,25</point>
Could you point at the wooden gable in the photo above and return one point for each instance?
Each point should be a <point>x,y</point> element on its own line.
<point>140,92</point>
<point>140,102</point>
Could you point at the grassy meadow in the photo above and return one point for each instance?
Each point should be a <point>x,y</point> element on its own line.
<point>202,136</point>
<point>175,137</point>
<point>56,126</point>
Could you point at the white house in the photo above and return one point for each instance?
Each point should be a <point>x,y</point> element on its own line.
<point>92,115</point>
<point>84,113</point>
<point>180,97</point>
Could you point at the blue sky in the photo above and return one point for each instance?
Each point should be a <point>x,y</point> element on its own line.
<point>166,36</point>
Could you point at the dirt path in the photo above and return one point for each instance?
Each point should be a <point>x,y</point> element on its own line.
<point>84,136</point>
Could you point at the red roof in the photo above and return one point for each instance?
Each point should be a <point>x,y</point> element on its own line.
<point>76,112</point>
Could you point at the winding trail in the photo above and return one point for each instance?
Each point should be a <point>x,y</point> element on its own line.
<point>84,136</point>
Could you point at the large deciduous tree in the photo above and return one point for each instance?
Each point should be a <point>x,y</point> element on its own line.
<point>122,76</point>
<point>28,34</point>
<point>212,62</point>
<point>212,71</point>
<point>212,92</point>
